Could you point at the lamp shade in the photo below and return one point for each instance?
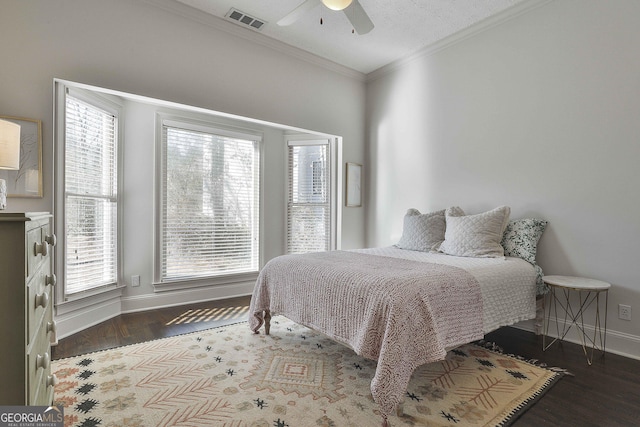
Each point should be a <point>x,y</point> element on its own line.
<point>9,145</point>
<point>336,4</point>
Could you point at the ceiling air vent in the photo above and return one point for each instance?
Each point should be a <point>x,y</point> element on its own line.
<point>244,19</point>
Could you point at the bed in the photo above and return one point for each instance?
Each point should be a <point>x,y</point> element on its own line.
<point>408,304</point>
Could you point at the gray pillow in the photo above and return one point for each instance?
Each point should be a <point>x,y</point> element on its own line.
<point>475,235</point>
<point>421,232</point>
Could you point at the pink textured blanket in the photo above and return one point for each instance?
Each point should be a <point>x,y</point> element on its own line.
<point>398,312</point>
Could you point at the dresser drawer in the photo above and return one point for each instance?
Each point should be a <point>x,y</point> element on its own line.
<point>43,396</point>
<point>39,300</point>
<point>37,249</point>
<point>38,367</point>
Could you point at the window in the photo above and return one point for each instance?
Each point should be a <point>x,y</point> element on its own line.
<point>209,202</point>
<point>309,207</point>
<point>90,194</point>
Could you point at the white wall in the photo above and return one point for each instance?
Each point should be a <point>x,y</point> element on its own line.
<point>540,113</point>
<point>137,47</point>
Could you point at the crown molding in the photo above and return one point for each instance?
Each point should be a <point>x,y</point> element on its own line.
<point>188,12</point>
<point>484,25</point>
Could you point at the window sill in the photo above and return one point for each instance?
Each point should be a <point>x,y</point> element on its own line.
<point>176,285</point>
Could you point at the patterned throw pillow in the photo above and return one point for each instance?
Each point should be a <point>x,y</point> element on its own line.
<point>475,235</point>
<point>521,238</point>
<point>420,232</point>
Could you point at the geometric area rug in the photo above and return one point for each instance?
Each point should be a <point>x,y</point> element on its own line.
<point>295,377</point>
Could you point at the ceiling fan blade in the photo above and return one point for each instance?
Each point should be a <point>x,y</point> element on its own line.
<point>296,13</point>
<point>358,18</point>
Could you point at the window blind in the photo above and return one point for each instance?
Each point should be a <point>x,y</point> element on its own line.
<point>210,204</point>
<point>91,212</point>
<point>309,207</point>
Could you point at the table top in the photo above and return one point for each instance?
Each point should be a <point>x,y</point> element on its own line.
<point>577,283</point>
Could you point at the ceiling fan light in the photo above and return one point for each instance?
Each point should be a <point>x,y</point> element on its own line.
<point>337,4</point>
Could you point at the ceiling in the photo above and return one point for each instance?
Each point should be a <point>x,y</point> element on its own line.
<point>402,27</point>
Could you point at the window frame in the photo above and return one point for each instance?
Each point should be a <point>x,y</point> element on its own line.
<point>335,184</point>
<point>112,105</point>
<point>199,125</point>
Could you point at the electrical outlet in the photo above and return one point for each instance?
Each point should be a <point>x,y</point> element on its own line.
<point>624,312</point>
<point>135,280</point>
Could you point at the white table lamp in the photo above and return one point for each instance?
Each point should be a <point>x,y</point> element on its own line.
<point>9,154</point>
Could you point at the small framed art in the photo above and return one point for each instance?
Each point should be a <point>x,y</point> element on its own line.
<point>354,185</point>
<point>27,180</point>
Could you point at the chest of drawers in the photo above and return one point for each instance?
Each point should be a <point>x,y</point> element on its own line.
<point>27,327</point>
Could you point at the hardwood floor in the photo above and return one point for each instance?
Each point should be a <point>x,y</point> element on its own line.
<point>153,324</point>
<point>606,394</point>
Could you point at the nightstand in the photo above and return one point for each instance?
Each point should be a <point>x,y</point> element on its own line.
<point>573,309</point>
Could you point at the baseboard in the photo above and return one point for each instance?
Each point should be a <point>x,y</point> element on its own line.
<point>77,320</point>
<point>620,343</point>
<point>132,304</point>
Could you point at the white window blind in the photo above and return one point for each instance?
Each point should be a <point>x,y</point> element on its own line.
<point>309,197</point>
<point>210,203</point>
<point>91,259</point>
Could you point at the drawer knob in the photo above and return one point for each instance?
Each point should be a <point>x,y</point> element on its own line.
<point>52,331</point>
<point>43,361</point>
<point>51,239</point>
<point>50,280</point>
<point>52,380</point>
<point>41,248</point>
<point>42,300</point>
<point>51,327</point>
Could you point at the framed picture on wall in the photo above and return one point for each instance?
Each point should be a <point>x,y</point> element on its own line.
<point>354,185</point>
<point>27,180</point>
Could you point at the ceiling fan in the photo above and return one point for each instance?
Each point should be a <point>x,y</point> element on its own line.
<point>352,9</point>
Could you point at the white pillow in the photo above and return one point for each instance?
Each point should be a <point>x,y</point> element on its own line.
<point>421,232</point>
<point>475,235</point>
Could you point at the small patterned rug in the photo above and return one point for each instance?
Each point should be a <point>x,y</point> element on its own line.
<point>295,377</point>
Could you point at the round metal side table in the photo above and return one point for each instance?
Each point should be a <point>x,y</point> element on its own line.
<point>573,308</point>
